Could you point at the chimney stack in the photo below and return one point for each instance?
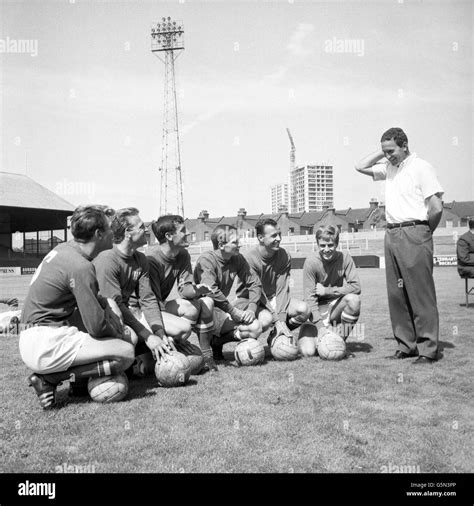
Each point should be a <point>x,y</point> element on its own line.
<point>203,216</point>
<point>374,203</point>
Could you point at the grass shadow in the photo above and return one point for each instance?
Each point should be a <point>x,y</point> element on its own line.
<point>359,347</point>
<point>445,344</point>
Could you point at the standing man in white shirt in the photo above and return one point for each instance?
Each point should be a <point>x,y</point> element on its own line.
<point>413,210</point>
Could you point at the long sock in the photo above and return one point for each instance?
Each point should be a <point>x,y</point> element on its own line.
<point>205,339</point>
<point>347,324</point>
<point>81,372</point>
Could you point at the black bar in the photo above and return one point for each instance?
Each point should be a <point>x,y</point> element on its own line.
<point>237,489</point>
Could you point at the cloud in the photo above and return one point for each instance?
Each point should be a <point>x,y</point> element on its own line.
<point>296,46</point>
<point>201,118</point>
<point>297,52</point>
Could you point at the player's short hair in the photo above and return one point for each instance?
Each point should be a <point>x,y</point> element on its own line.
<point>471,223</point>
<point>87,219</point>
<point>121,222</point>
<point>260,225</point>
<point>397,134</point>
<point>328,233</point>
<point>165,224</point>
<point>221,234</point>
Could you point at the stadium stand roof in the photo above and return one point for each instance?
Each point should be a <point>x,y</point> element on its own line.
<point>19,190</point>
<point>27,206</point>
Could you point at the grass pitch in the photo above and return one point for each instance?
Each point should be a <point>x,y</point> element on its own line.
<point>364,414</point>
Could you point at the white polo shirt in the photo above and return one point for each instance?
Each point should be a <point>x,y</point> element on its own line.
<point>407,187</point>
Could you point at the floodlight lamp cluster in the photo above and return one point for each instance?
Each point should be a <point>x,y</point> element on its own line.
<point>167,33</point>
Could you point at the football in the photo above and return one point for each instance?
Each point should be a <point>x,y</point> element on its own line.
<point>108,388</point>
<point>284,348</point>
<point>249,352</point>
<point>195,358</point>
<point>173,370</point>
<point>331,346</point>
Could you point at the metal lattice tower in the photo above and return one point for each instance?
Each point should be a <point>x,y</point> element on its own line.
<point>167,40</point>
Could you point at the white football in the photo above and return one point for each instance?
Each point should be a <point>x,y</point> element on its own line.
<point>173,370</point>
<point>284,348</point>
<point>331,346</point>
<point>108,388</point>
<point>249,352</point>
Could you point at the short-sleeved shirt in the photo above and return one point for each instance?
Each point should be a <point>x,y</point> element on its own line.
<point>407,187</point>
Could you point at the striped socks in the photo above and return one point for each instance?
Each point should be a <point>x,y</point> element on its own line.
<point>347,324</point>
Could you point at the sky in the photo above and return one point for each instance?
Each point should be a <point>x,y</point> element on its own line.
<point>81,107</point>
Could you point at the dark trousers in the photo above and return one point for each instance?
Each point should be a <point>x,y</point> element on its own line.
<point>411,289</point>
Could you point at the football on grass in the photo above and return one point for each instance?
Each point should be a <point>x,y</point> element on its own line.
<point>108,388</point>
<point>249,352</point>
<point>284,348</point>
<point>173,370</point>
<point>331,346</point>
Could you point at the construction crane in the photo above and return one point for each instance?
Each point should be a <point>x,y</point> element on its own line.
<point>292,152</point>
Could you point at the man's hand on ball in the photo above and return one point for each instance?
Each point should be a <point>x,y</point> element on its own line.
<point>248,317</point>
<point>157,346</point>
<point>170,342</point>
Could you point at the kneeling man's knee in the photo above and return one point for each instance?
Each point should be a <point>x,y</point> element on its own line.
<point>353,302</point>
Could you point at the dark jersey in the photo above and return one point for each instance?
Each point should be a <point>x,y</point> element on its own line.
<point>121,276</point>
<point>219,276</point>
<point>274,274</point>
<point>165,271</point>
<point>63,285</point>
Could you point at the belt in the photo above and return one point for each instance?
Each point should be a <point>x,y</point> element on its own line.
<point>407,224</point>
